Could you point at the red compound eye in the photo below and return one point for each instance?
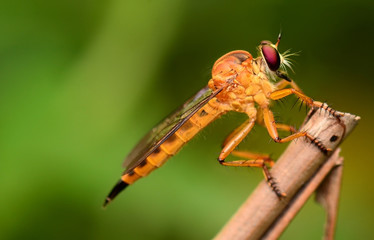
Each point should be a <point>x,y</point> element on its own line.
<point>271,56</point>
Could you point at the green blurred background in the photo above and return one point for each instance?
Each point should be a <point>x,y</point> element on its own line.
<point>82,81</point>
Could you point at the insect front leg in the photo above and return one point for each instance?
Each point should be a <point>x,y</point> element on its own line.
<point>271,126</point>
<point>284,83</point>
<point>278,94</point>
<point>254,160</point>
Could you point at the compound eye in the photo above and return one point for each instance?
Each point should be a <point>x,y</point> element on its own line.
<point>271,56</point>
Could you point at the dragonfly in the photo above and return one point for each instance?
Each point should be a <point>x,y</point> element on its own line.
<point>239,83</point>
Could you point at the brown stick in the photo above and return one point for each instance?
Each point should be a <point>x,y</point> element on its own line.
<point>327,199</point>
<point>295,167</point>
<point>328,196</point>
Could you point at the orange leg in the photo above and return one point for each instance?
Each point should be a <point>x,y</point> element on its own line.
<point>255,156</point>
<point>236,137</point>
<point>284,83</point>
<point>280,126</point>
<point>256,160</point>
<point>271,126</point>
<point>278,94</point>
<point>285,127</point>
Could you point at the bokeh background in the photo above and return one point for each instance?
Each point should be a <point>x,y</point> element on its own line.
<point>82,81</point>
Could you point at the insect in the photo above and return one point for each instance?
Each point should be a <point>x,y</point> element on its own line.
<point>239,83</point>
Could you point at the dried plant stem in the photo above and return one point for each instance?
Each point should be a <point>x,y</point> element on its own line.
<point>261,215</point>
<point>280,224</point>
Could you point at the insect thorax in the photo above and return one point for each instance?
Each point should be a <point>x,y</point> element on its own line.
<point>247,82</point>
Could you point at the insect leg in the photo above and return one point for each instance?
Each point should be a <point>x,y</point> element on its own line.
<point>271,126</point>
<point>256,160</point>
<point>260,160</point>
<point>285,127</point>
<point>278,94</point>
<point>280,126</point>
<point>251,155</point>
<point>284,83</point>
<point>235,138</point>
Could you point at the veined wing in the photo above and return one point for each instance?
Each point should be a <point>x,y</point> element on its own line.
<point>162,131</point>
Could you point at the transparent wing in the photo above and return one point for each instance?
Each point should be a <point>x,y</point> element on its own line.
<point>162,131</point>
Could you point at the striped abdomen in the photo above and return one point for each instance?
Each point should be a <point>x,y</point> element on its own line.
<point>171,146</point>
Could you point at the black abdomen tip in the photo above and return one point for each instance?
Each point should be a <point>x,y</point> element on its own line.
<point>115,191</point>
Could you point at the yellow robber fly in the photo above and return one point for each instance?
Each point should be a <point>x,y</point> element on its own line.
<point>239,83</point>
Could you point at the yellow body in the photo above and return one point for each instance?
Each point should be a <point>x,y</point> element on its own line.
<point>172,145</point>
<point>251,85</point>
<point>242,84</point>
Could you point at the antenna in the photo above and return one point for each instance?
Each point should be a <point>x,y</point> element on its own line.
<point>279,38</point>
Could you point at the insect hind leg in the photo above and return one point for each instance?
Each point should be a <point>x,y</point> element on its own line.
<point>256,160</point>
